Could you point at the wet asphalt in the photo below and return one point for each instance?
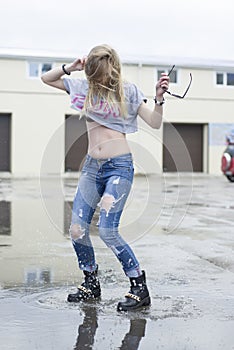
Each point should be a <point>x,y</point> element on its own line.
<point>181,228</point>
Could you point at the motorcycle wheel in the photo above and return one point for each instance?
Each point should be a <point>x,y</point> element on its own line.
<point>230,178</point>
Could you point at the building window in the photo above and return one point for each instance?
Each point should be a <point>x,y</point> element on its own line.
<point>230,79</point>
<point>36,69</point>
<point>219,78</point>
<point>225,79</point>
<point>173,75</point>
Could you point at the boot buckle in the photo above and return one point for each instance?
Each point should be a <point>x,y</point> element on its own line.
<point>133,296</point>
<point>85,290</point>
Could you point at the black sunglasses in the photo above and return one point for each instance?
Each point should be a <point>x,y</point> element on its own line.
<point>178,96</point>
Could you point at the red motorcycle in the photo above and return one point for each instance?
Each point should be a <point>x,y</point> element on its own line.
<point>227,164</point>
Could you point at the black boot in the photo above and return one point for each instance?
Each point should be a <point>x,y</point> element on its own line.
<point>89,289</point>
<point>138,295</point>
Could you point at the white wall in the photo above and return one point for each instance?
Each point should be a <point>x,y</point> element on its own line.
<point>38,114</point>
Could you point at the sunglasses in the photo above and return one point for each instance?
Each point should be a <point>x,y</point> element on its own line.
<point>175,95</point>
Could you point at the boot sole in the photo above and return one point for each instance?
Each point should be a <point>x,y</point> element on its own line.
<point>142,303</point>
<point>72,299</point>
<point>90,299</point>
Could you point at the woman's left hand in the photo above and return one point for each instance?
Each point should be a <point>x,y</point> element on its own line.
<point>162,85</point>
<point>77,65</point>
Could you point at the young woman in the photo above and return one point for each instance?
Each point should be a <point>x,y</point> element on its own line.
<point>110,107</point>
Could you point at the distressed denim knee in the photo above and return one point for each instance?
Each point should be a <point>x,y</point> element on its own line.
<point>82,245</point>
<point>76,232</point>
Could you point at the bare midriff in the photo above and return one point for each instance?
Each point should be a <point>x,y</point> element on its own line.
<point>105,142</point>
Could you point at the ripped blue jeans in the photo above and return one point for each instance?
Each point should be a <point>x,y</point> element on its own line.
<point>105,183</point>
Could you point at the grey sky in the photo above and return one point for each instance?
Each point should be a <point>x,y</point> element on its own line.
<point>185,28</point>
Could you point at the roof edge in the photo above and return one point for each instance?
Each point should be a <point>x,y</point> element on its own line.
<point>150,60</point>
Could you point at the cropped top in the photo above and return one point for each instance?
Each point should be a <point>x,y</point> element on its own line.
<point>103,114</point>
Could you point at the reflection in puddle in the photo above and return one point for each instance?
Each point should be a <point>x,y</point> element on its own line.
<point>92,318</point>
<point>5,218</point>
<point>35,276</point>
<point>87,330</point>
<point>38,269</point>
<point>135,334</point>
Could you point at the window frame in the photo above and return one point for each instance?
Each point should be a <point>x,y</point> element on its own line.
<point>40,65</point>
<point>225,74</point>
<point>167,69</point>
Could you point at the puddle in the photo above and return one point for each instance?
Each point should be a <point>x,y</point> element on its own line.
<point>185,245</point>
<point>162,306</point>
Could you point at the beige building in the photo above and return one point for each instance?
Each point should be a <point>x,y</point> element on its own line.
<point>40,134</point>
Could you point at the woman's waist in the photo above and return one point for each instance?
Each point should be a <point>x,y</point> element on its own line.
<point>106,151</point>
<point>106,146</point>
<point>121,157</point>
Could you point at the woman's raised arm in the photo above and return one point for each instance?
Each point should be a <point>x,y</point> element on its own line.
<point>53,76</point>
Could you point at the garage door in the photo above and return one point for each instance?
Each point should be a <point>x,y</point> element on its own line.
<point>182,147</point>
<point>76,142</point>
<point>5,142</point>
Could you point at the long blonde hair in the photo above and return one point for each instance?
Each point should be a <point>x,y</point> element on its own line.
<point>103,72</point>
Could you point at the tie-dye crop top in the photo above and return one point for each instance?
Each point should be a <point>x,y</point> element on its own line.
<point>108,117</point>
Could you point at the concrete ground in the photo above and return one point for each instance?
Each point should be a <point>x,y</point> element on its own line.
<point>181,228</point>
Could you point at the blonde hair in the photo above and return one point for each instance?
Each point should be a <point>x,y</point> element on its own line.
<point>103,72</point>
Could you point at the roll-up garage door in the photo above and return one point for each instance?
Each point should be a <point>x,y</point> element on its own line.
<point>182,147</point>
<point>5,142</point>
<point>76,142</point>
